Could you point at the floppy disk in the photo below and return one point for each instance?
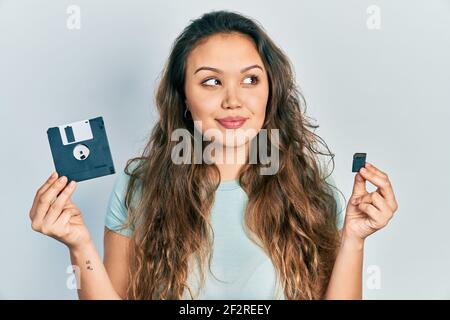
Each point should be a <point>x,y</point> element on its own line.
<point>80,150</point>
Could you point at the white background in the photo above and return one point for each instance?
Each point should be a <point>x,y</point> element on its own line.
<point>385,92</point>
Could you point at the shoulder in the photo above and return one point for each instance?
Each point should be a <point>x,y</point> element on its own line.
<point>117,211</point>
<point>340,201</point>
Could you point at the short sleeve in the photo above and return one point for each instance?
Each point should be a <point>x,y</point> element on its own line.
<point>340,210</point>
<point>116,213</point>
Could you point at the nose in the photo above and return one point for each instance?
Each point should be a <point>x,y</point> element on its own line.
<point>231,99</point>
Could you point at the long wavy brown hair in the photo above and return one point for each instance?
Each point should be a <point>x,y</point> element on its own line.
<point>291,215</point>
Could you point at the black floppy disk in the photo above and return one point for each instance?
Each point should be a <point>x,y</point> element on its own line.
<point>80,150</point>
<point>359,160</point>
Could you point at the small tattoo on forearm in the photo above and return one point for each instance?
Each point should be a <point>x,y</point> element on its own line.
<point>88,263</point>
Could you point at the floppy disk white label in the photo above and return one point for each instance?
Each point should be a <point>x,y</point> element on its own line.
<point>75,132</point>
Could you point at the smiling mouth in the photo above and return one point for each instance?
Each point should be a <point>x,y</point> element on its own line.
<point>232,123</point>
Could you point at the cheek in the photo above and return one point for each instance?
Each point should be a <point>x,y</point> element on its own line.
<point>202,105</point>
<point>256,104</point>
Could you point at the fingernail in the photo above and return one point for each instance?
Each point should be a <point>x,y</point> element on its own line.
<point>72,184</point>
<point>62,179</point>
<point>52,175</point>
<point>363,170</point>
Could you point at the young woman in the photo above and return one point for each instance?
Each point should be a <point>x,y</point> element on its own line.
<point>223,230</point>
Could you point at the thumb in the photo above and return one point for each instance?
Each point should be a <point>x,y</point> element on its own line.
<point>359,187</point>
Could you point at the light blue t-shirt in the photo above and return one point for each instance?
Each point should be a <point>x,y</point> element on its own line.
<point>241,269</point>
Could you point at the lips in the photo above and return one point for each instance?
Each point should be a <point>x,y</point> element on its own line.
<point>232,122</point>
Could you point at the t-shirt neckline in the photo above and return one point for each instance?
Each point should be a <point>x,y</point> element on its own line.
<point>229,185</point>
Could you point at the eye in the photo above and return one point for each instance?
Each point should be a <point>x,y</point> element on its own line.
<point>251,80</point>
<point>211,82</point>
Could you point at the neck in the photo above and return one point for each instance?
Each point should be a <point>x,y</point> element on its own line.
<point>230,160</point>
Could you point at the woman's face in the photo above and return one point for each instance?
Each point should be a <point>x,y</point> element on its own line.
<point>225,77</point>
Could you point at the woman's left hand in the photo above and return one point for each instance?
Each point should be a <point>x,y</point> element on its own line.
<point>369,212</point>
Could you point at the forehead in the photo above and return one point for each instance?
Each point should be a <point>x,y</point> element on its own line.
<point>224,51</point>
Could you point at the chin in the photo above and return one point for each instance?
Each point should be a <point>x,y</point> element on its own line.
<point>234,137</point>
<point>233,144</point>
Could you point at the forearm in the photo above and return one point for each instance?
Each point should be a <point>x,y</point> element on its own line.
<point>92,278</point>
<point>346,277</point>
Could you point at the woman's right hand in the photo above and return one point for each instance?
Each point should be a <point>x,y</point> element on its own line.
<point>54,214</point>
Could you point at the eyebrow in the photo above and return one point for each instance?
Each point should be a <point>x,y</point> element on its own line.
<point>220,71</point>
